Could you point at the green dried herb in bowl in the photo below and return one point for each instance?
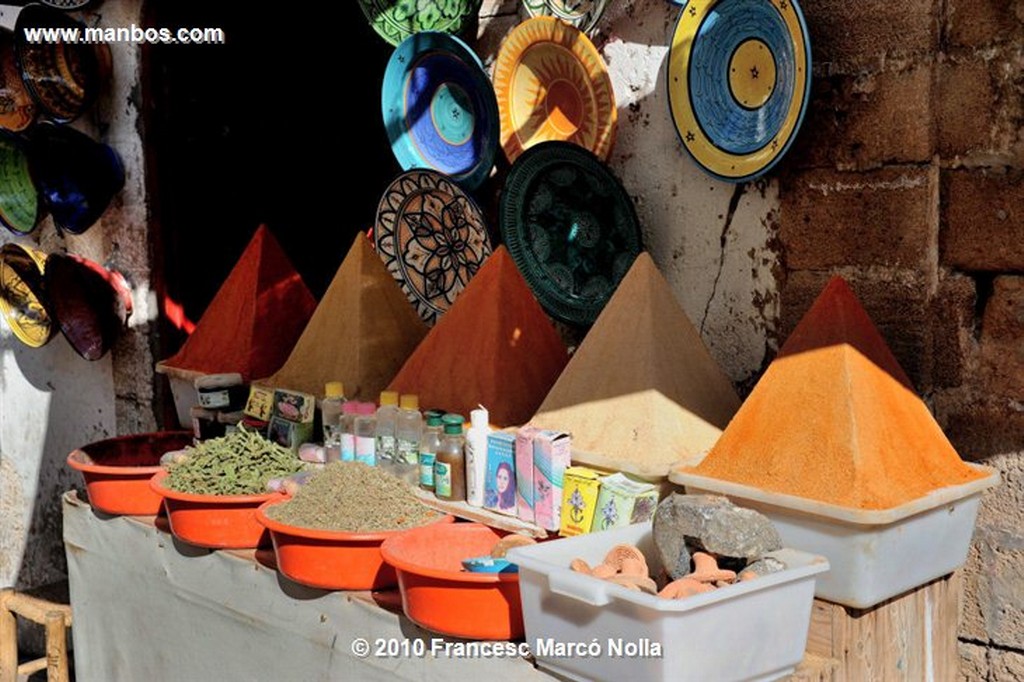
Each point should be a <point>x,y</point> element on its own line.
<point>239,463</point>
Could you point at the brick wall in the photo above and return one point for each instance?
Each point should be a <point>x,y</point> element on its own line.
<point>908,179</point>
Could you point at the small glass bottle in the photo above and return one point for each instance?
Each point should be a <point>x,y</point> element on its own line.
<point>349,412</point>
<point>330,417</point>
<point>429,443</point>
<point>408,430</point>
<point>450,466</point>
<point>366,434</point>
<point>387,417</point>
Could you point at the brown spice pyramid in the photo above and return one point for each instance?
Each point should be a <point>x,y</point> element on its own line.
<point>494,347</point>
<point>835,419</point>
<point>361,333</point>
<point>642,392</point>
<point>254,320</point>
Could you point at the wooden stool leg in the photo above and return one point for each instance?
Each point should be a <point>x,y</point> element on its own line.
<point>56,647</point>
<point>8,640</point>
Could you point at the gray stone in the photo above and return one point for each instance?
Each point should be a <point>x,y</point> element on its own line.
<point>739,533</point>
<point>765,566</point>
<point>677,518</point>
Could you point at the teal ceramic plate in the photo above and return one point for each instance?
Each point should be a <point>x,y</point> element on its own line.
<point>570,227</point>
<point>439,108</point>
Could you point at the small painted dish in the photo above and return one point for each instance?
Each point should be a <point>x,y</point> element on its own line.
<point>739,83</point>
<point>570,227</point>
<point>432,238</point>
<point>552,84</point>
<point>488,564</point>
<point>396,20</point>
<point>439,108</point>
<point>581,14</point>
<point>17,108</point>
<point>22,294</point>
<point>20,207</point>
<point>90,303</point>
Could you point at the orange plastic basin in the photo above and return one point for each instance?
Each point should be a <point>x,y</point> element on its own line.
<point>331,560</point>
<point>439,595</point>
<point>117,470</point>
<point>215,521</point>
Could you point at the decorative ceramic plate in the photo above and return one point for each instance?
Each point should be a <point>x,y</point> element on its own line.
<point>582,14</point>
<point>17,109</point>
<point>439,108</point>
<point>738,83</point>
<point>432,238</point>
<point>62,78</point>
<point>570,227</point>
<point>90,303</point>
<point>21,294</point>
<point>19,201</point>
<point>396,20</point>
<point>552,84</point>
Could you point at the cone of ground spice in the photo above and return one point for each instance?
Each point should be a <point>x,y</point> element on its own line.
<point>642,392</point>
<point>254,320</point>
<point>361,333</point>
<point>494,347</point>
<point>835,419</point>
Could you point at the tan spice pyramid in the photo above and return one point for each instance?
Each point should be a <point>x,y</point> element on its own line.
<point>256,317</point>
<point>642,392</point>
<point>361,333</point>
<point>835,419</point>
<point>494,347</point>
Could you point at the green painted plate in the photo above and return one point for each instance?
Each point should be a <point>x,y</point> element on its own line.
<point>396,20</point>
<point>570,227</point>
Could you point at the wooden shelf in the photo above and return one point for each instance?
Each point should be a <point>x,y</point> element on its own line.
<point>481,515</point>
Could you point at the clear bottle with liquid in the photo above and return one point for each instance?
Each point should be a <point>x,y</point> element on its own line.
<point>408,430</point>
<point>349,412</point>
<point>330,417</point>
<point>366,434</point>
<point>430,441</point>
<point>450,465</point>
<point>387,420</point>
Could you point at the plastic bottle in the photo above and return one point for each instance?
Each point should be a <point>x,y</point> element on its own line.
<point>450,466</point>
<point>408,430</point>
<point>349,412</point>
<point>330,417</point>
<point>430,441</point>
<point>366,434</point>
<point>476,456</point>
<point>387,417</point>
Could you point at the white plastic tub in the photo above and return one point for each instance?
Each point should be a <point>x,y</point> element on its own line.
<point>875,554</point>
<point>755,630</point>
<point>183,389</point>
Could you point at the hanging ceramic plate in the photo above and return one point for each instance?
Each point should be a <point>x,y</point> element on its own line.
<point>582,14</point>
<point>552,84</point>
<point>90,303</point>
<point>22,302</point>
<point>439,108</point>
<point>570,227</point>
<point>19,201</point>
<point>432,239</point>
<point>738,83</point>
<point>17,109</point>
<point>396,20</point>
<point>62,78</point>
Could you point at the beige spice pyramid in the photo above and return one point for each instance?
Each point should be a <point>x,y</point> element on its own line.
<point>495,347</point>
<point>360,334</point>
<point>642,392</point>
<point>835,419</point>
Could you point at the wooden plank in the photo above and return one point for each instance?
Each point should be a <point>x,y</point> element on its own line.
<point>56,647</point>
<point>815,669</point>
<point>909,637</point>
<point>8,640</point>
<point>35,609</point>
<point>30,667</point>
<point>480,515</point>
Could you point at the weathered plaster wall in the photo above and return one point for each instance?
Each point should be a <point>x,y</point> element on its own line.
<point>51,400</point>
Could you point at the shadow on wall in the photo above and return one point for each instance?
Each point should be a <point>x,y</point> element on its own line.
<point>51,401</point>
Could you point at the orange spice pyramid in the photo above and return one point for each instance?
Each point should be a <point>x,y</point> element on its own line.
<point>361,333</point>
<point>254,320</point>
<point>642,392</point>
<point>835,419</point>
<point>494,347</point>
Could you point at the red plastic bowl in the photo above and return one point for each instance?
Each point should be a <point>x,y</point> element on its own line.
<point>215,521</point>
<point>117,470</point>
<point>331,560</point>
<point>439,595</point>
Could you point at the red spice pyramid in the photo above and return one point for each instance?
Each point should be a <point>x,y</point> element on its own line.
<point>642,392</point>
<point>361,333</point>
<point>835,419</point>
<point>494,347</point>
<point>254,320</point>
